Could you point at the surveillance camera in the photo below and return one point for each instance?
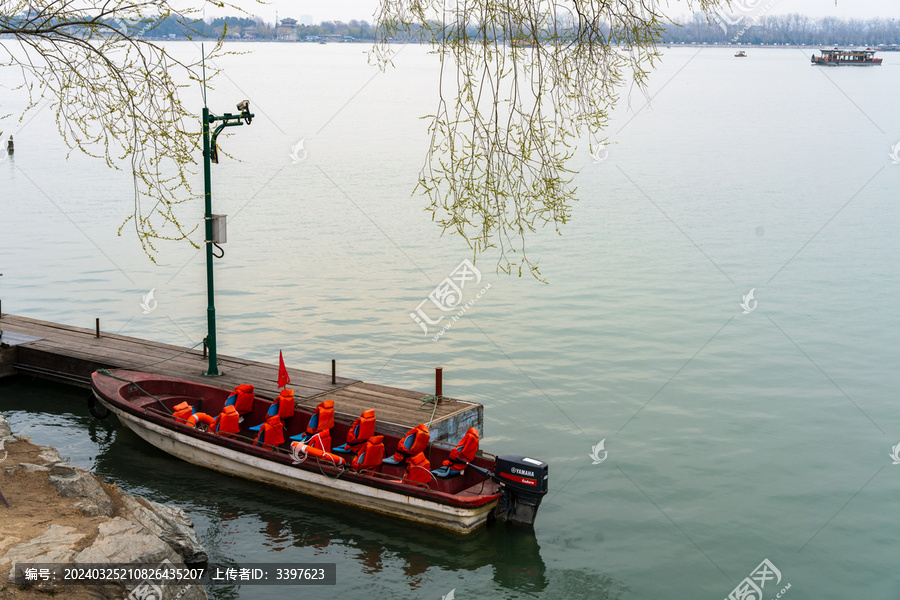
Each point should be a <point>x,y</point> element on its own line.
<point>244,106</point>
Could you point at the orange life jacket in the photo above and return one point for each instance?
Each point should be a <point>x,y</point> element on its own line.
<point>285,404</point>
<point>200,418</point>
<point>465,451</point>
<point>321,440</point>
<point>182,412</point>
<point>418,469</point>
<point>415,441</point>
<point>228,422</point>
<point>323,418</point>
<point>244,401</point>
<point>271,432</point>
<point>362,429</point>
<point>372,454</point>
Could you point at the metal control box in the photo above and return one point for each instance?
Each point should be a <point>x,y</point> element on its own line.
<point>219,230</point>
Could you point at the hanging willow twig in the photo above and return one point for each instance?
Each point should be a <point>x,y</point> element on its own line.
<point>115,93</point>
<point>521,82</point>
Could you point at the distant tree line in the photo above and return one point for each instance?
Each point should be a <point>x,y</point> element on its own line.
<point>785,29</point>
<point>792,29</point>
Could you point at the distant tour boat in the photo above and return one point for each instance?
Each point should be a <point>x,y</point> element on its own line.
<point>837,56</point>
<point>740,54</point>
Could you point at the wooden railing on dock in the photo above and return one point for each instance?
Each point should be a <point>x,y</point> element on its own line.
<point>68,354</point>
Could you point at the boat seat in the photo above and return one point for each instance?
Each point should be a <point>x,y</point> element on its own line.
<point>321,420</point>
<point>273,410</point>
<point>463,453</point>
<point>415,441</point>
<point>446,472</point>
<point>242,398</point>
<point>360,431</point>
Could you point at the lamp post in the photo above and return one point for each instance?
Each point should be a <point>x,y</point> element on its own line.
<point>211,155</point>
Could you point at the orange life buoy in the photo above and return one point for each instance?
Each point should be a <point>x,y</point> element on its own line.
<point>300,447</point>
<point>201,418</point>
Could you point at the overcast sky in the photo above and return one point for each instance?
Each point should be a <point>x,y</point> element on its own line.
<point>345,10</point>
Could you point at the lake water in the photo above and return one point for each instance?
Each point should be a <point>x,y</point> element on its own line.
<point>730,436</point>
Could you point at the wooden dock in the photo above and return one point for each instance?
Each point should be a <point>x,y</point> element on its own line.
<point>69,355</point>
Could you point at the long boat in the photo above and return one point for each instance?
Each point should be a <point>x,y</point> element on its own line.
<point>837,57</point>
<point>491,487</point>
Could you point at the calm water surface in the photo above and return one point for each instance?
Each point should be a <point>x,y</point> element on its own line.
<point>732,437</point>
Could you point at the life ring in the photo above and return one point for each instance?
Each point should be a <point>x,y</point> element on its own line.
<point>204,418</point>
<point>299,447</point>
<point>92,408</point>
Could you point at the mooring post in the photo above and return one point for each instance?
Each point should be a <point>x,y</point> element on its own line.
<point>333,371</point>
<point>98,327</point>
<point>438,382</point>
<point>204,347</point>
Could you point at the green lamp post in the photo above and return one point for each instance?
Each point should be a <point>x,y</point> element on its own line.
<point>211,155</point>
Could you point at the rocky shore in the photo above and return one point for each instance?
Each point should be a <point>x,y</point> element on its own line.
<point>53,512</point>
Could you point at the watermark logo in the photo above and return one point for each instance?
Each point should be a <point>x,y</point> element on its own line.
<point>751,588</point>
<point>895,154</point>
<point>298,152</point>
<point>747,13</point>
<point>148,590</point>
<point>447,297</point>
<point>895,454</point>
<point>450,595</point>
<point>749,303</point>
<point>595,453</point>
<point>149,302</point>
<point>130,29</point>
<point>600,154</point>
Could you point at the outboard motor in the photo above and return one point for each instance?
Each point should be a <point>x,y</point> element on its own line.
<point>525,482</point>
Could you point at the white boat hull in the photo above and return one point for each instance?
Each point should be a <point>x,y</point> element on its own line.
<point>205,454</point>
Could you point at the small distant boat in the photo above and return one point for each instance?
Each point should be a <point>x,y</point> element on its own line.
<point>838,56</point>
<point>740,54</point>
<point>509,486</point>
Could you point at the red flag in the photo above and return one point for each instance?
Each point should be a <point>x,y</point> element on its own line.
<point>283,377</point>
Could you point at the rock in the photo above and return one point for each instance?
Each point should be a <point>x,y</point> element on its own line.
<point>122,541</point>
<point>4,427</point>
<point>63,469</point>
<point>170,524</point>
<point>56,545</point>
<point>49,455</point>
<point>96,502</point>
<point>31,467</point>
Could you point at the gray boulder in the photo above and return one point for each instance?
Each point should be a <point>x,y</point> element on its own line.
<point>49,455</point>
<point>31,467</point>
<point>56,545</point>
<point>73,483</point>
<point>170,524</point>
<point>122,541</point>
<point>4,427</point>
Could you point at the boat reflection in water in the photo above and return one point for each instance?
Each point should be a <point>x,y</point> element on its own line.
<point>284,520</point>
